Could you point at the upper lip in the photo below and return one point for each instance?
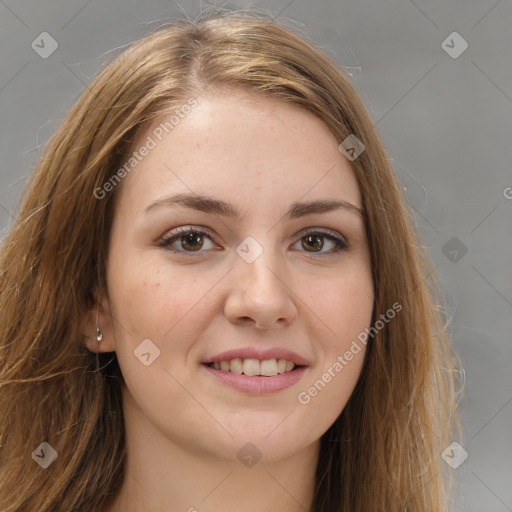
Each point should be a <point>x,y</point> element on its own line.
<point>256,353</point>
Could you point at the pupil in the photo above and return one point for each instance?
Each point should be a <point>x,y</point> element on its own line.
<point>192,241</point>
<point>315,240</point>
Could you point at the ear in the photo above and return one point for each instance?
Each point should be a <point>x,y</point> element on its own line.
<point>99,313</point>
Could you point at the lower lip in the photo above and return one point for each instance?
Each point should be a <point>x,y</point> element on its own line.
<point>257,384</point>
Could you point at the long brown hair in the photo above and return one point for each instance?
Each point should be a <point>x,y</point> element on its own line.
<point>382,453</point>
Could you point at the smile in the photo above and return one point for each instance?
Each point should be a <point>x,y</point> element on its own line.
<point>252,367</point>
<point>255,383</point>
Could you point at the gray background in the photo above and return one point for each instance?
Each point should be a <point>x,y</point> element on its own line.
<point>446,122</point>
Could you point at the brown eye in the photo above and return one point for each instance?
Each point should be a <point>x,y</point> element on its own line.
<point>187,240</point>
<point>192,241</point>
<point>315,242</point>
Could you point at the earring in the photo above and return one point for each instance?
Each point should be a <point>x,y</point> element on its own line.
<point>99,336</point>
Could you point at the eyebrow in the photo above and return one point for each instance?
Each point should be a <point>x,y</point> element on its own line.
<point>216,206</point>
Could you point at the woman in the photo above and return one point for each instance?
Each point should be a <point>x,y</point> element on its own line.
<point>213,297</point>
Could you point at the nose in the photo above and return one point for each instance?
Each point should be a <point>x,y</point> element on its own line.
<point>259,294</point>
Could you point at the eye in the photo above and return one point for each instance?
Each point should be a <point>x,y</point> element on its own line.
<point>313,241</point>
<point>191,239</point>
<point>187,240</point>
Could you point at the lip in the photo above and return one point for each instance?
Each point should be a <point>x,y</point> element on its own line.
<point>257,385</point>
<point>255,353</point>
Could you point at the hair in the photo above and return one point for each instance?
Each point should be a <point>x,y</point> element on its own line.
<point>383,453</point>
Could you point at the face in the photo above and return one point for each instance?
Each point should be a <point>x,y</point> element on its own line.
<point>244,265</point>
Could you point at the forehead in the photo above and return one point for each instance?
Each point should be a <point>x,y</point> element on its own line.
<point>237,144</point>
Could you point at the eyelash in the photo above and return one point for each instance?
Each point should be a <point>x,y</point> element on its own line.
<point>340,242</point>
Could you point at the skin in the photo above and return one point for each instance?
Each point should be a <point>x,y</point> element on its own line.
<point>184,427</point>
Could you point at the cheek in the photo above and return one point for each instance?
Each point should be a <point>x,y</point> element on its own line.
<point>323,398</point>
<point>153,298</point>
<point>343,305</point>
<point>345,308</point>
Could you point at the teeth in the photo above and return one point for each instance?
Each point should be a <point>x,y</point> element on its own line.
<point>251,367</point>
<point>235,366</point>
<point>267,368</point>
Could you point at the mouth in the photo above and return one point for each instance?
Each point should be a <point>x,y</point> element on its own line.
<point>257,372</point>
<point>255,367</point>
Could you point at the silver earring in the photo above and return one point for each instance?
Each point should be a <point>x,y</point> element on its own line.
<point>99,336</point>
